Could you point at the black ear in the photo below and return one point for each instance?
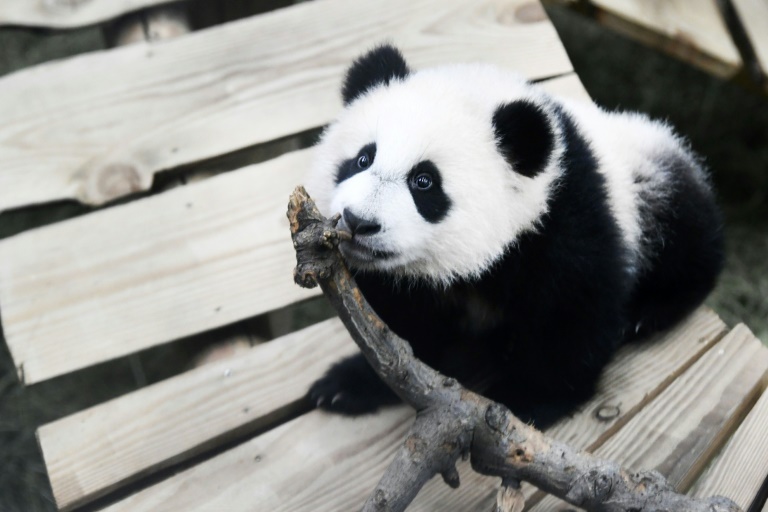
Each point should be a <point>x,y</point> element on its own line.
<point>524,136</point>
<point>378,66</point>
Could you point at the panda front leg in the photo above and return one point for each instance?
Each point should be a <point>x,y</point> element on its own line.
<point>351,387</point>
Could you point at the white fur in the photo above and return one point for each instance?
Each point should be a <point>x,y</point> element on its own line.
<point>445,115</point>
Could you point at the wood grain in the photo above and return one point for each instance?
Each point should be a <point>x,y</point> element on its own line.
<point>639,374</point>
<point>679,432</point>
<point>692,31</point>
<point>339,460</point>
<point>99,126</point>
<point>67,13</point>
<point>754,17</point>
<point>91,452</point>
<point>157,269</point>
<point>120,280</point>
<point>742,467</point>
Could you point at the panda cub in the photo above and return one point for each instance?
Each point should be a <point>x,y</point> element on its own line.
<point>513,238</point>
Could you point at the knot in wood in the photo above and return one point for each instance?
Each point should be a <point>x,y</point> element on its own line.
<point>531,12</point>
<point>416,446</point>
<point>116,180</point>
<point>606,412</point>
<point>380,499</point>
<point>496,417</point>
<point>602,485</point>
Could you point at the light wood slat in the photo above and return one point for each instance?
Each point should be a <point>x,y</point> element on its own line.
<point>67,13</point>
<point>742,467</point>
<point>754,17</point>
<point>121,280</point>
<point>198,257</point>
<point>340,460</point>
<point>679,431</point>
<point>693,31</point>
<point>639,374</point>
<point>99,126</point>
<point>91,452</point>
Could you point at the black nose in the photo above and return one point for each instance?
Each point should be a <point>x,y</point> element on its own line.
<point>360,226</point>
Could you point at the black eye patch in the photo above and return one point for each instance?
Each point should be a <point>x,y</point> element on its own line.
<point>425,184</point>
<point>362,161</point>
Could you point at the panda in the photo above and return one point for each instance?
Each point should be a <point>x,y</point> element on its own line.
<point>515,239</point>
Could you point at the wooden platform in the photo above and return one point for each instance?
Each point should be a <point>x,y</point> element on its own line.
<point>236,434</point>
<point>727,38</point>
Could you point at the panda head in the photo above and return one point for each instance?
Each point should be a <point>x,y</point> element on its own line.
<point>435,172</point>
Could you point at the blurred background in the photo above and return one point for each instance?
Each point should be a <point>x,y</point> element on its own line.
<point>725,119</point>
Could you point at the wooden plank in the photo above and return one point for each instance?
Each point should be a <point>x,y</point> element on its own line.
<point>694,32</point>
<point>754,16</point>
<point>121,280</point>
<point>67,13</point>
<point>98,126</point>
<point>91,452</point>
<point>339,460</point>
<point>157,269</point>
<point>679,432</point>
<point>742,467</point>
<point>639,373</point>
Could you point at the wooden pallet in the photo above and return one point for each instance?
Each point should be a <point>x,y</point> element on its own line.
<point>727,38</point>
<point>237,434</point>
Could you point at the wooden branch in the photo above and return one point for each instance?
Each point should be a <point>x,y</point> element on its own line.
<point>453,422</point>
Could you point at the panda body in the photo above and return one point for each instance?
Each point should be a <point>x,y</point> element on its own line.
<point>513,238</point>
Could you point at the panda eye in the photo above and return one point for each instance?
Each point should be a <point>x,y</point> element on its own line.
<point>363,161</point>
<point>423,181</point>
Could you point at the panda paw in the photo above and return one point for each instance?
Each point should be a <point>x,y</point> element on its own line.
<point>352,388</point>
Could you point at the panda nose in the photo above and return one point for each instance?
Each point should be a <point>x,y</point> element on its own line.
<point>358,225</point>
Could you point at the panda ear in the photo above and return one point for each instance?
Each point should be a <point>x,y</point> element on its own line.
<point>376,67</point>
<point>524,136</point>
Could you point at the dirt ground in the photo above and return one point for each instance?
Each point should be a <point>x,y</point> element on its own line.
<point>726,123</point>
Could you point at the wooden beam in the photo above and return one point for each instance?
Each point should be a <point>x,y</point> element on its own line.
<point>338,460</point>
<point>742,467</point>
<point>89,453</point>
<point>111,283</point>
<point>638,375</point>
<point>121,280</point>
<point>67,13</point>
<point>691,31</point>
<point>679,432</point>
<point>97,127</point>
<point>754,17</point>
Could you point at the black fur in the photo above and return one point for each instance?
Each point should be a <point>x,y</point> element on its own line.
<point>535,331</point>
<point>687,257</point>
<point>553,307</point>
<point>432,204</point>
<point>524,136</point>
<point>349,168</point>
<point>378,66</point>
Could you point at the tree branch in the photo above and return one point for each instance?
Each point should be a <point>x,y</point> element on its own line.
<point>453,422</point>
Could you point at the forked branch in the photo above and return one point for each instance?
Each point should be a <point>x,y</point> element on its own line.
<point>453,422</point>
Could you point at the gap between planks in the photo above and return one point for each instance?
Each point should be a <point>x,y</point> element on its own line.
<point>92,452</point>
<point>679,432</point>
<point>696,33</point>
<point>742,467</point>
<point>338,460</point>
<point>157,269</point>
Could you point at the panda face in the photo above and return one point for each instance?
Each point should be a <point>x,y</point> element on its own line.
<point>415,168</point>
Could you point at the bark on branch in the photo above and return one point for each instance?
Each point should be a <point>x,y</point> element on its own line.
<point>453,422</point>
